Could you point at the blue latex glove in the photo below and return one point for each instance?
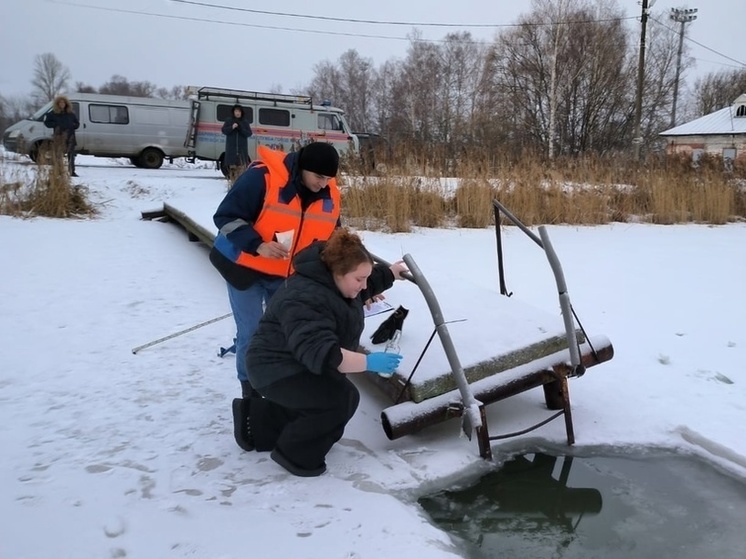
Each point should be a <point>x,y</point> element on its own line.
<point>382,363</point>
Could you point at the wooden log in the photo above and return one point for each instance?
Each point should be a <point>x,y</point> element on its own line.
<point>409,417</point>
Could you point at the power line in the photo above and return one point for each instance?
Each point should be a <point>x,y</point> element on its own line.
<point>656,20</point>
<point>385,22</point>
<point>234,23</point>
<point>707,61</point>
<point>350,20</point>
<point>292,29</point>
<point>321,32</point>
<point>329,18</point>
<point>714,51</point>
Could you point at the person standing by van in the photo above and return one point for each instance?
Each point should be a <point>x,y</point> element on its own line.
<point>237,131</point>
<point>65,122</point>
<point>281,204</point>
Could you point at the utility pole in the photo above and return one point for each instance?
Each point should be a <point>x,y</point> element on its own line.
<point>637,140</point>
<point>682,16</point>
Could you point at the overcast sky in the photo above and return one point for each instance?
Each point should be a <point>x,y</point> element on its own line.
<point>188,44</point>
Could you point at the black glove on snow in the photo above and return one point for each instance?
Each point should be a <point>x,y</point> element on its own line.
<point>387,328</point>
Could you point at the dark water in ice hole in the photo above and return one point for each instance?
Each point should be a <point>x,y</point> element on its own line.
<point>541,506</point>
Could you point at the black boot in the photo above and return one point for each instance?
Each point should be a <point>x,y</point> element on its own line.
<point>293,468</point>
<point>242,424</point>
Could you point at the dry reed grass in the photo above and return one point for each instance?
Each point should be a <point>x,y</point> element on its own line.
<point>582,190</point>
<point>47,191</point>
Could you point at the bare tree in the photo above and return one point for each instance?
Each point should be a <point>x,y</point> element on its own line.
<point>13,109</point>
<point>119,85</point>
<point>357,77</point>
<point>51,77</point>
<point>81,87</point>
<point>491,120</point>
<point>417,91</point>
<point>718,90</point>
<point>554,13</point>
<point>327,83</point>
<point>595,96</point>
<point>346,84</point>
<point>462,65</point>
<point>176,92</point>
<point>383,113</point>
<point>567,89</point>
<point>179,92</point>
<point>560,82</point>
<point>522,64</point>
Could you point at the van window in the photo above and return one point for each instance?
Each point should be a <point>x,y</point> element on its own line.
<point>329,121</point>
<point>274,117</point>
<point>226,111</point>
<point>41,113</point>
<point>108,114</point>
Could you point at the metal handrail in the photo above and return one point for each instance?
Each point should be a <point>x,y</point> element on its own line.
<point>564,299</point>
<point>568,314</point>
<point>471,418</point>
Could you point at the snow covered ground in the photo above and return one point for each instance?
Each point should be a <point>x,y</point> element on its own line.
<point>111,454</point>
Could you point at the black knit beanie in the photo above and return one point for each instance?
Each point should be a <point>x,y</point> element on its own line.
<point>320,158</point>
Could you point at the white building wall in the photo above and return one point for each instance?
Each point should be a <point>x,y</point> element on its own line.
<point>716,144</point>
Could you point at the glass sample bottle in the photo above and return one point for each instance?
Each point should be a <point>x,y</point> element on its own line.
<point>393,345</point>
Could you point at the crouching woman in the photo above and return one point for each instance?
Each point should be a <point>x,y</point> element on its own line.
<point>305,346</point>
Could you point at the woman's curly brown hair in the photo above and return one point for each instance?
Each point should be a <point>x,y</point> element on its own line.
<point>344,251</point>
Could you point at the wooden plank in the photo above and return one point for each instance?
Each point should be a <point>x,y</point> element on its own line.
<point>423,389</point>
<point>154,214</point>
<point>195,230</point>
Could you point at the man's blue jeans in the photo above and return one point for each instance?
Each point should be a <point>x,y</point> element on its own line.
<point>248,307</point>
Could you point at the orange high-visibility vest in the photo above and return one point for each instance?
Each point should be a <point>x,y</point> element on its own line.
<point>315,224</point>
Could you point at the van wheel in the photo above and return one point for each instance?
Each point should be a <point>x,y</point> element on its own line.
<point>136,161</point>
<point>151,158</point>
